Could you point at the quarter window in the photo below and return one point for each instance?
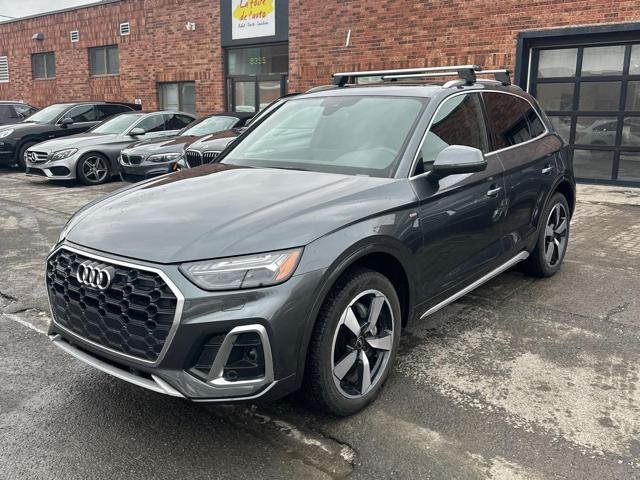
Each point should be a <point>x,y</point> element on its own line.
<point>512,119</point>
<point>458,121</point>
<point>43,65</point>
<point>104,60</point>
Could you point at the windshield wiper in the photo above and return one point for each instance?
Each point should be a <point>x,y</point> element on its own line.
<point>292,168</point>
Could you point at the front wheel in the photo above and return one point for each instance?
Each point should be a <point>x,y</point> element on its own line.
<point>354,343</point>
<point>93,169</point>
<point>547,256</point>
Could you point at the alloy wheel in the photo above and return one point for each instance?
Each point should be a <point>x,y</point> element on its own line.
<point>555,238</point>
<point>362,344</point>
<point>95,169</point>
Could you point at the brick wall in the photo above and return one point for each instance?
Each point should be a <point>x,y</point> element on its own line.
<point>413,33</point>
<point>159,49</point>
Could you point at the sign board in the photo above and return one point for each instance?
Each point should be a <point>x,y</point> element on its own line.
<point>253,22</point>
<point>253,19</point>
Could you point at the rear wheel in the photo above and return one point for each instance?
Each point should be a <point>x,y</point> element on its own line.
<point>93,169</point>
<point>22,161</point>
<point>548,254</point>
<point>354,343</point>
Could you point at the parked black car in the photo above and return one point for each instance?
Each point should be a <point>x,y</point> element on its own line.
<point>150,158</point>
<point>297,257</point>
<point>14,112</point>
<point>92,157</point>
<point>54,121</point>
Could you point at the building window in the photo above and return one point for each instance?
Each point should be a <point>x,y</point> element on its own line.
<point>104,60</point>
<point>178,96</point>
<point>43,65</point>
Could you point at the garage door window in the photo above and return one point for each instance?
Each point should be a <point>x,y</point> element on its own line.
<point>592,96</point>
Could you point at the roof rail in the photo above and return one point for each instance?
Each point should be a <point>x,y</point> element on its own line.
<point>468,73</point>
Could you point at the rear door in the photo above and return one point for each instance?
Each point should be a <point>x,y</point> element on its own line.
<point>527,153</point>
<point>460,215</point>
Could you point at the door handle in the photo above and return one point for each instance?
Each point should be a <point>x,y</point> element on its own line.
<point>547,169</point>
<point>494,191</point>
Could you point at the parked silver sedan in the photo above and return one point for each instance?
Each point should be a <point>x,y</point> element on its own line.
<point>92,157</point>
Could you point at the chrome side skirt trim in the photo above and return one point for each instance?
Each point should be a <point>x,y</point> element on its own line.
<point>505,266</point>
<point>156,384</point>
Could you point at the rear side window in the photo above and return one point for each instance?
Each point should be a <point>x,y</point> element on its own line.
<point>104,111</point>
<point>512,119</point>
<point>176,121</point>
<point>458,121</point>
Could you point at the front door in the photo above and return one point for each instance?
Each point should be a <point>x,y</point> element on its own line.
<point>460,215</point>
<point>251,93</point>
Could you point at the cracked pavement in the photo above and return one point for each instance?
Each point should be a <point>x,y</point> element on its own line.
<point>522,379</point>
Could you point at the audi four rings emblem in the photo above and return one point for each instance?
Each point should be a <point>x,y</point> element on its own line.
<point>95,275</point>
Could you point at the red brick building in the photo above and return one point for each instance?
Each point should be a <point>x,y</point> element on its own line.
<point>580,58</point>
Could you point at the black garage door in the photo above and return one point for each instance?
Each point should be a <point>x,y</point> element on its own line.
<point>592,95</point>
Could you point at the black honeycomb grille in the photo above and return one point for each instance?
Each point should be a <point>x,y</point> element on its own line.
<point>133,315</point>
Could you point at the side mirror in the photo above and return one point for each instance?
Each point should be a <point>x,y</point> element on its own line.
<point>456,159</point>
<point>137,132</point>
<point>65,122</point>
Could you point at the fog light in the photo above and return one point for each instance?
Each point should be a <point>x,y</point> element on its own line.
<point>246,360</point>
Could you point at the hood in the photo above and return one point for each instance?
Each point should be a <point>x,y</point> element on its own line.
<point>79,140</point>
<point>222,210</point>
<point>161,145</point>
<point>216,141</point>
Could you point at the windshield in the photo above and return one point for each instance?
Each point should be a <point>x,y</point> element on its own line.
<point>209,125</point>
<point>118,124</point>
<point>356,135</point>
<point>48,114</point>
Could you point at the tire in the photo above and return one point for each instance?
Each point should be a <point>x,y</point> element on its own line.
<point>545,260</point>
<point>334,344</point>
<point>93,169</point>
<point>22,164</point>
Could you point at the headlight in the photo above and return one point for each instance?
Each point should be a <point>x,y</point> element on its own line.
<point>6,133</point>
<point>63,154</point>
<point>164,157</point>
<point>248,271</point>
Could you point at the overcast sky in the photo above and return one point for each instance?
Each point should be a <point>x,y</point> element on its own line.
<point>22,8</point>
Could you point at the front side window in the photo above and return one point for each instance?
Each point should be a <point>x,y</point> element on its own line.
<point>104,60</point>
<point>24,111</point>
<point>512,119</point>
<point>176,121</point>
<point>458,121</point>
<point>354,135</point>
<point>152,123</point>
<point>43,65</point>
<point>178,96</point>
<point>82,113</point>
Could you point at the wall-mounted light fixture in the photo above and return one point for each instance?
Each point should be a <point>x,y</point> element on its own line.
<point>38,36</point>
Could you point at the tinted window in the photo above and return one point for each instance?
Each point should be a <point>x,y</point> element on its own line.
<point>458,121</point>
<point>82,113</point>
<point>177,122</point>
<point>25,110</point>
<point>6,113</point>
<point>105,111</point>
<point>357,135</point>
<point>512,119</point>
<point>153,123</point>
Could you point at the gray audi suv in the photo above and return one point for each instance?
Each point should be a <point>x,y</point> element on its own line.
<point>296,258</point>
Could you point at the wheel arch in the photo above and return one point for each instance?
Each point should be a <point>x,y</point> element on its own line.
<point>386,256</point>
<point>568,190</point>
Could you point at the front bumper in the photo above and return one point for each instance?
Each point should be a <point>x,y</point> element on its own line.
<point>278,315</point>
<point>64,169</point>
<point>7,153</point>
<point>145,170</point>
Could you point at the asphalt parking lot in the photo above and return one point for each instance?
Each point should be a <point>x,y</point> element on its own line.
<point>524,379</point>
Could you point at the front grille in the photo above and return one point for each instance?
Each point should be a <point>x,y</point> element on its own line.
<point>131,159</point>
<point>133,316</point>
<point>37,157</point>
<point>208,157</point>
<point>193,158</point>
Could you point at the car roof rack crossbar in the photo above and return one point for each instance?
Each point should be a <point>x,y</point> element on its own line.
<point>468,73</point>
